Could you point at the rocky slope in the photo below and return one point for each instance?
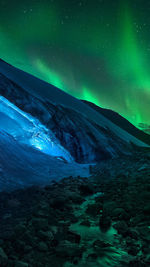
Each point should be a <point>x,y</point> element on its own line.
<point>100,221</point>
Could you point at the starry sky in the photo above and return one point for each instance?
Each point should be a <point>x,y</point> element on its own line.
<point>98,50</point>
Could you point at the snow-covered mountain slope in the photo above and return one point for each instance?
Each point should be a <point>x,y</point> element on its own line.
<point>47,92</point>
<point>123,123</point>
<point>47,134</point>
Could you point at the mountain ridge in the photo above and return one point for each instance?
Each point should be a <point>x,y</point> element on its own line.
<point>47,92</point>
<point>121,122</point>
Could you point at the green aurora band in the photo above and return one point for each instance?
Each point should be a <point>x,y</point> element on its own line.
<point>93,52</point>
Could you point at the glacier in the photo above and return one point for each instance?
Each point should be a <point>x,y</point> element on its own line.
<point>28,130</point>
<point>29,152</point>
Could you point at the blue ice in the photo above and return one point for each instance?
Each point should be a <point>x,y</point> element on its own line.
<point>30,131</point>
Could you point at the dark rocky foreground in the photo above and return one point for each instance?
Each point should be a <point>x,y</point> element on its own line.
<point>100,221</point>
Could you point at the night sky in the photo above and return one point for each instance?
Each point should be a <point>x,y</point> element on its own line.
<point>98,50</point>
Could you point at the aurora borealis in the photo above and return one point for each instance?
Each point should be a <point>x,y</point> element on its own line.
<point>95,50</point>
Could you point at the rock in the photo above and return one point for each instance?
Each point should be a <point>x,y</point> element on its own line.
<point>68,249</point>
<point>138,219</point>
<point>145,195</point>
<point>129,241</point>
<point>144,232</point>
<point>104,223</point>
<point>86,190</point>
<point>21,264</point>
<point>10,263</point>
<point>145,250</point>
<point>20,229</point>
<point>146,209</point>
<point>86,223</point>
<point>27,248</point>
<point>77,199</point>
<point>137,263</point>
<point>19,246</point>
<point>122,228</point>
<point>73,237</point>
<point>108,207</point>
<point>59,203</point>
<point>40,223</point>
<point>148,260</point>
<point>43,213</point>
<point>100,244</point>
<point>133,233</point>
<point>29,239</point>
<point>42,246</point>
<point>119,214</point>
<point>133,250</point>
<point>48,235</point>
<point>3,257</point>
<point>92,256</point>
<point>93,209</point>
<point>143,168</point>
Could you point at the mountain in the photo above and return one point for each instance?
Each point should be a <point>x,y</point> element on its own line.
<point>144,127</point>
<point>123,123</point>
<point>46,134</point>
